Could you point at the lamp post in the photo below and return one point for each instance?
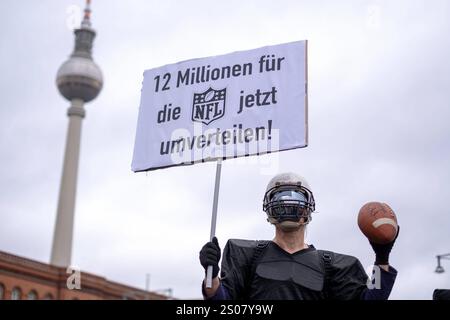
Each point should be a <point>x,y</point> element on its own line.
<point>439,268</point>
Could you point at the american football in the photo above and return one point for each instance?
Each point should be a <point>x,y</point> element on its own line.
<point>378,222</point>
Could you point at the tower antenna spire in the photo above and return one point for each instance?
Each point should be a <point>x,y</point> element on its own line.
<point>87,15</point>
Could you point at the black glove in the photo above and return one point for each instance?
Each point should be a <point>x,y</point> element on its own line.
<point>382,251</point>
<point>210,256</point>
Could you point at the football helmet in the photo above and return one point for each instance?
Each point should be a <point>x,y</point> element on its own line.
<point>288,197</point>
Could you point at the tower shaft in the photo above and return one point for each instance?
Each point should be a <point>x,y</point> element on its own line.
<point>79,80</point>
<point>63,234</point>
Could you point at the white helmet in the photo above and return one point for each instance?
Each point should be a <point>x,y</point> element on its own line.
<point>288,197</point>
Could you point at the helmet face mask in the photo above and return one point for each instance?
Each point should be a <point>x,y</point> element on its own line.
<point>288,200</point>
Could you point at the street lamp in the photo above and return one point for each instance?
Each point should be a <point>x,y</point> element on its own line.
<point>439,268</point>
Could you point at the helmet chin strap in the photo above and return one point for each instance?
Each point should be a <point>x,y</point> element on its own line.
<point>288,225</point>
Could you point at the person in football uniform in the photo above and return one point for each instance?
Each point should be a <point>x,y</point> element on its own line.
<point>286,267</point>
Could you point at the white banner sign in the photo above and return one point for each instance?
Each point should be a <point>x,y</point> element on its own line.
<point>243,103</point>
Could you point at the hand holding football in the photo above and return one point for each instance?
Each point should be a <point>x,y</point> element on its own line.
<point>378,222</point>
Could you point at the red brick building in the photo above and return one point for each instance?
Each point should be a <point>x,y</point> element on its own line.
<point>22,278</point>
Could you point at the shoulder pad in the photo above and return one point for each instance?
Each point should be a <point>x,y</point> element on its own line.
<point>240,249</point>
<point>242,243</point>
<point>341,261</point>
<point>344,259</point>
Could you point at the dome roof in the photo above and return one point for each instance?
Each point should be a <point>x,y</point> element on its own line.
<point>79,78</point>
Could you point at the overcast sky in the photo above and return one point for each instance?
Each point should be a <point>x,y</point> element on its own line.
<point>379,110</point>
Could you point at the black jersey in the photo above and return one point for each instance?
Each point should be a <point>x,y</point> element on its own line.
<point>277,274</point>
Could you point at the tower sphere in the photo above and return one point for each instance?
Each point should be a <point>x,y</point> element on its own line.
<point>79,78</point>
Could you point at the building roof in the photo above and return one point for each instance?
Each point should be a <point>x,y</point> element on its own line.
<point>46,279</point>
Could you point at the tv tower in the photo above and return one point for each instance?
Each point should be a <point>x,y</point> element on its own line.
<point>79,80</point>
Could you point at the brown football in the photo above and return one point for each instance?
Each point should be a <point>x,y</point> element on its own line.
<point>378,222</point>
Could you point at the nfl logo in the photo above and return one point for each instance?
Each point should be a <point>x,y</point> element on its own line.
<point>209,105</point>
